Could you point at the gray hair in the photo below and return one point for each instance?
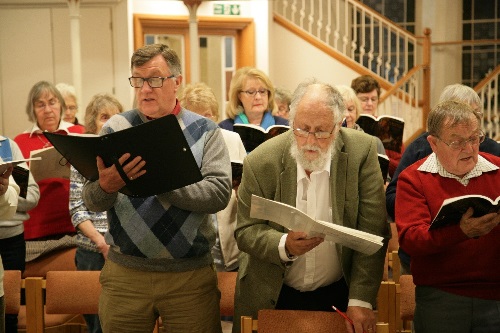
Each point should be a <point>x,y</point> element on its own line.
<point>283,94</point>
<point>449,113</point>
<point>461,93</point>
<point>40,88</point>
<point>147,52</point>
<point>97,103</point>
<point>332,99</point>
<point>66,90</point>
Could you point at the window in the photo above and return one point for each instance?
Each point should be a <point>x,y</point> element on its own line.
<point>481,22</point>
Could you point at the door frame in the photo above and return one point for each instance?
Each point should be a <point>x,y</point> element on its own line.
<point>243,29</point>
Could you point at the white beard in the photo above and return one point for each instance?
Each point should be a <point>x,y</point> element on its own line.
<point>310,165</point>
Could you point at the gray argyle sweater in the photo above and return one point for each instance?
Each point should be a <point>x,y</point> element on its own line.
<point>171,231</point>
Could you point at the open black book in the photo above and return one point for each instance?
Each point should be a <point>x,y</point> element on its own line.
<point>388,129</point>
<point>253,135</point>
<point>20,174</point>
<point>237,170</point>
<point>21,177</point>
<point>452,209</point>
<point>383,160</point>
<point>170,164</point>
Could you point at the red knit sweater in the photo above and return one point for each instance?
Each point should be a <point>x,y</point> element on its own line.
<point>446,258</point>
<point>51,215</point>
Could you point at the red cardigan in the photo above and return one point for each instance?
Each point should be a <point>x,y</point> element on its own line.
<point>51,215</point>
<point>446,258</point>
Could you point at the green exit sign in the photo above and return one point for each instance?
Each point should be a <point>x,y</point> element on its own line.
<point>221,9</point>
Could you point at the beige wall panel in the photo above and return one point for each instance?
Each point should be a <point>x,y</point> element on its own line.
<point>96,52</point>
<point>26,57</point>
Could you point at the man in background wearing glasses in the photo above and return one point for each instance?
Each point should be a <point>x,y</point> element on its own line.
<point>331,174</point>
<point>159,262</point>
<point>421,148</point>
<point>454,267</point>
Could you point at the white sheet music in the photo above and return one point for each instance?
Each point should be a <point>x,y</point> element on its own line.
<point>294,219</point>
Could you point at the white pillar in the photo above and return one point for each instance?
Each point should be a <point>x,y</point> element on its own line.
<point>194,42</point>
<point>76,57</point>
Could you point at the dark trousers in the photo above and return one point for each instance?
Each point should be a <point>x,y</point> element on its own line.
<point>320,299</point>
<point>90,261</point>
<point>439,311</point>
<point>13,252</point>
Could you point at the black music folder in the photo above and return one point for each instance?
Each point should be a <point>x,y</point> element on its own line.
<point>170,164</point>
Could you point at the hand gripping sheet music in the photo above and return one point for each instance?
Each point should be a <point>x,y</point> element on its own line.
<point>293,219</point>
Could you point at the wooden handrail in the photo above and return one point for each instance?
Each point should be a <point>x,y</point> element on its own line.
<point>468,42</point>
<point>400,82</point>
<point>487,79</point>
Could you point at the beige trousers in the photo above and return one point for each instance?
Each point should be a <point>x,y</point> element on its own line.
<point>132,300</point>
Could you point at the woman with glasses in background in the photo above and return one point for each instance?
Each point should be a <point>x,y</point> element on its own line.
<point>251,100</point>
<point>68,92</point>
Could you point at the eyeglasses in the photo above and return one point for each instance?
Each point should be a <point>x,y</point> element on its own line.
<point>52,103</point>
<point>252,93</point>
<point>320,135</point>
<point>366,99</point>
<point>154,82</point>
<point>460,144</point>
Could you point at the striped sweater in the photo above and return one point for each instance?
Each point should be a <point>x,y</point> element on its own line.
<point>171,231</point>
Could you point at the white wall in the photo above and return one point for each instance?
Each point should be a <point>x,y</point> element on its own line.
<point>444,18</point>
<point>35,45</point>
<point>257,10</point>
<point>293,60</point>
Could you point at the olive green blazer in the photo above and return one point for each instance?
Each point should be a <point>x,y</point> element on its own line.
<point>358,201</point>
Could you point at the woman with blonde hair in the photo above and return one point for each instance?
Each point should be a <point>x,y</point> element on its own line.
<point>352,107</point>
<point>200,98</point>
<point>251,100</point>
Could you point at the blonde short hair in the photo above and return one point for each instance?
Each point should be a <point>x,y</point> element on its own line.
<point>199,95</point>
<point>349,95</point>
<point>234,106</point>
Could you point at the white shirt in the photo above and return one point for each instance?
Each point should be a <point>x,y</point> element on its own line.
<point>321,266</point>
<point>433,165</point>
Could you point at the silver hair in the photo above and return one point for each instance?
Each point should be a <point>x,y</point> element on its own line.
<point>461,93</point>
<point>332,99</point>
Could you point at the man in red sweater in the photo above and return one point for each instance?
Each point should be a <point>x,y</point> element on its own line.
<point>50,219</point>
<point>454,267</point>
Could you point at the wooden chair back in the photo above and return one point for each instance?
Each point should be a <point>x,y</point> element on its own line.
<point>298,321</point>
<point>407,297</point>
<point>12,291</point>
<point>73,292</point>
<point>227,286</point>
<point>60,260</point>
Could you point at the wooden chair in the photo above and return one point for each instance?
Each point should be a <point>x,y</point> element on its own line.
<point>12,291</point>
<point>68,295</point>
<point>227,286</point>
<point>60,260</point>
<point>406,295</point>
<point>388,305</point>
<point>297,321</point>
<point>12,285</point>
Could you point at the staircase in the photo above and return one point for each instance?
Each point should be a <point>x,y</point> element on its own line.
<point>369,43</point>
<point>488,90</point>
